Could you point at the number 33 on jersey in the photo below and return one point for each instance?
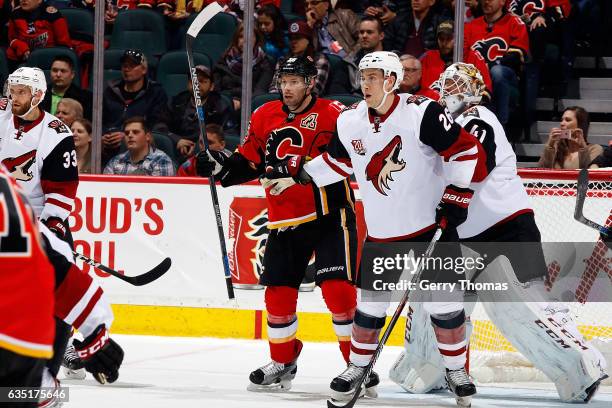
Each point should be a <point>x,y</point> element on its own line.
<point>41,156</point>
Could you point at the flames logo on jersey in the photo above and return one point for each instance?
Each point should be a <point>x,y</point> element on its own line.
<point>526,7</point>
<point>258,233</point>
<point>19,166</point>
<point>58,126</point>
<point>382,164</point>
<point>490,49</point>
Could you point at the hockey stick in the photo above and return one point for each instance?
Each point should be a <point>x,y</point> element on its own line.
<point>200,21</point>
<point>581,191</point>
<point>389,329</point>
<point>139,280</point>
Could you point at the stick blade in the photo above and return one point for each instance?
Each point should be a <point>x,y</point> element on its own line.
<point>153,274</point>
<point>204,17</point>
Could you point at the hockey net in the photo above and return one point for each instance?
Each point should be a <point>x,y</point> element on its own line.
<point>553,199</point>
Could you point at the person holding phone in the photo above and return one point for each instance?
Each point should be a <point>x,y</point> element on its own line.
<point>567,146</point>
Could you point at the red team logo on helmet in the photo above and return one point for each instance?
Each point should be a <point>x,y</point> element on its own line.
<point>19,167</point>
<point>382,164</point>
<point>491,48</point>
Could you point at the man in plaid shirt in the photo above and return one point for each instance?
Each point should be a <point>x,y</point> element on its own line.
<point>141,158</point>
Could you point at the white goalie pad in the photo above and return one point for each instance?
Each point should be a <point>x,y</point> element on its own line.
<point>542,331</point>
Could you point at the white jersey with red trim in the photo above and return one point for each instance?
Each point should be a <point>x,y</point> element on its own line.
<point>402,162</point>
<point>79,299</point>
<point>501,194</point>
<point>41,156</point>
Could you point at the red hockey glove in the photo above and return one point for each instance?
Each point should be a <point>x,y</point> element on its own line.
<point>452,210</point>
<point>56,226</point>
<point>101,355</point>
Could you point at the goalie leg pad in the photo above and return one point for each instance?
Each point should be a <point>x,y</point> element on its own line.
<point>543,332</point>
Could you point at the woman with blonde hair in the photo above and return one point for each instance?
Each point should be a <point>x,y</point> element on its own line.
<point>81,131</point>
<point>567,146</point>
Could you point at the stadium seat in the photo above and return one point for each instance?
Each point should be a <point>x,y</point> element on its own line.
<point>338,81</point>
<point>259,100</point>
<point>143,30</point>
<point>215,37</point>
<point>80,24</point>
<point>112,66</point>
<point>173,70</point>
<point>163,142</point>
<point>345,99</point>
<point>4,72</point>
<point>286,6</point>
<point>43,58</point>
<point>290,17</point>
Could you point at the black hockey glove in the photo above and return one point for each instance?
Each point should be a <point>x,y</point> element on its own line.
<point>210,162</point>
<point>101,355</point>
<point>56,226</point>
<point>452,211</point>
<point>292,167</point>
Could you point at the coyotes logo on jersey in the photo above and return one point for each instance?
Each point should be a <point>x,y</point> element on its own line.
<point>382,164</point>
<point>19,167</point>
<point>490,49</point>
<point>58,126</point>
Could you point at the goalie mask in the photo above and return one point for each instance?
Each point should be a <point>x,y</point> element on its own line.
<point>461,86</point>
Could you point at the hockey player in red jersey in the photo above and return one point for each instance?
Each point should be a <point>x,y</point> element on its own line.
<point>500,212</point>
<point>26,292</point>
<point>301,219</point>
<point>414,165</point>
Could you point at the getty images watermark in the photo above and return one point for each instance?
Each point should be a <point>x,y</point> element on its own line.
<point>410,264</point>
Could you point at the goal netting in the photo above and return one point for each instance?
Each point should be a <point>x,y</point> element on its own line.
<point>553,199</point>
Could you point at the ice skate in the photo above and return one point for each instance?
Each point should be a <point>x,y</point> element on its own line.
<point>52,385</point>
<point>461,385</point>
<point>72,366</point>
<point>343,386</point>
<point>273,377</point>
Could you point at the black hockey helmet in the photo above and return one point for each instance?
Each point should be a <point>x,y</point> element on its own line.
<point>302,66</point>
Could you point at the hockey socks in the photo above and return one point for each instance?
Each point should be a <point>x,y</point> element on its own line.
<point>341,299</point>
<point>449,329</point>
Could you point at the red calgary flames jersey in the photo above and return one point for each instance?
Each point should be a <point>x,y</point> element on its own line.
<point>274,135</point>
<point>26,278</point>
<point>558,8</point>
<point>493,41</point>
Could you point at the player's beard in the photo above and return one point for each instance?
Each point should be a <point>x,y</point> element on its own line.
<point>21,110</point>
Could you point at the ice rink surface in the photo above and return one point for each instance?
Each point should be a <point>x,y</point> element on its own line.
<point>168,372</point>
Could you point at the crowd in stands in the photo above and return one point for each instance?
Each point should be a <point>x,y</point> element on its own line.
<point>150,126</point>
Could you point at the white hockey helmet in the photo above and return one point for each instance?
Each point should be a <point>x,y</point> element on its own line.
<point>29,76</point>
<point>461,85</point>
<point>389,62</point>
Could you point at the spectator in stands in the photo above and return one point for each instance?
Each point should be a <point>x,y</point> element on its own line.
<point>546,22</point>
<point>81,132</point>
<point>371,35</point>
<point>35,24</point>
<point>336,31</point>
<point>385,10</point>
<point>300,41</point>
<point>500,38</point>
<point>5,12</point>
<point>411,82</point>
<point>180,120</point>
<point>132,95</point>
<point>273,25</point>
<point>141,156</point>
<point>228,71</point>
<point>603,160</point>
<point>567,146</point>
<point>61,86</point>
<point>69,110</point>
<point>434,62</point>
<point>216,141</point>
<point>413,32</point>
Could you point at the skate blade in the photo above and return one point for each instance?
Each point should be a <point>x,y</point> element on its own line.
<point>70,374</point>
<point>282,386</point>
<point>464,402</point>
<point>345,396</point>
<point>371,392</point>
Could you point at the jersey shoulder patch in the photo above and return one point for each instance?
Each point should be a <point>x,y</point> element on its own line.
<point>58,126</point>
<point>4,103</point>
<point>472,112</point>
<point>350,107</point>
<point>416,99</point>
